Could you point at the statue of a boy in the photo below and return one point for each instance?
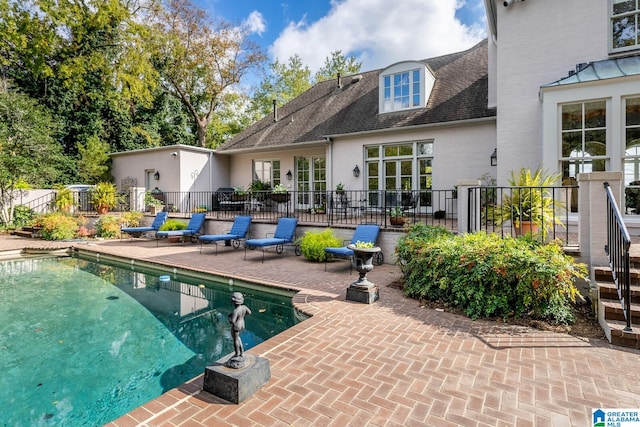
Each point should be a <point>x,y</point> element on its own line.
<point>236,318</point>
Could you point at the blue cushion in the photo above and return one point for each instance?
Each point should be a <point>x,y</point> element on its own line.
<point>239,230</point>
<point>285,232</point>
<point>193,227</point>
<point>157,222</point>
<point>363,233</point>
<point>343,251</point>
<point>269,241</point>
<point>196,222</point>
<point>366,233</point>
<point>137,229</point>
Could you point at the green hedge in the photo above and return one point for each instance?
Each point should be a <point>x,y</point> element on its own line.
<point>487,276</point>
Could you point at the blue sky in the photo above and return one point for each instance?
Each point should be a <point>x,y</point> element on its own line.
<point>377,32</point>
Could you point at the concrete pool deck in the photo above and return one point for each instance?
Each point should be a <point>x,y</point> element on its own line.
<point>391,363</point>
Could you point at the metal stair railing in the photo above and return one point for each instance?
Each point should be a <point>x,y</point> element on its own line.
<point>617,250</point>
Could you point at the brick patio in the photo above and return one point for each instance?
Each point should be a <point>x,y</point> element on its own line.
<point>392,363</point>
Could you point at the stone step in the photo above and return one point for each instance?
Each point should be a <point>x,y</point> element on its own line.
<point>604,274</point>
<point>614,330</point>
<point>613,311</point>
<point>609,291</point>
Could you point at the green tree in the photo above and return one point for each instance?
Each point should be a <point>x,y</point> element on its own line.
<point>87,61</point>
<point>94,160</point>
<point>28,149</point>
<point>337,63</point>
<point>283,83</point>
<point>232,117</point>
<point>200,61</point>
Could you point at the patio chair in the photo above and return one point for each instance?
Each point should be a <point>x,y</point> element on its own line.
<point>139,231</point>
<point>192,231</point>
<point>284,235</point>
<point>363,233</point>
<point>238,232</point>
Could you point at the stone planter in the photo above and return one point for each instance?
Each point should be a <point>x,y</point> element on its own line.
<point>362,290</point>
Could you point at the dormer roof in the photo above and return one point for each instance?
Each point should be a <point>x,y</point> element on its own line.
<point>326,109</point>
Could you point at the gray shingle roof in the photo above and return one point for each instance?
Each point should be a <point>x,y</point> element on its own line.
<point>459,93</point>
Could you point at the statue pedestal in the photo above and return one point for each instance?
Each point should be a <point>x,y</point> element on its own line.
<point>366,295</point>
<point>236,385</point>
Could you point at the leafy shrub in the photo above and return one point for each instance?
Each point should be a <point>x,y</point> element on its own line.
<point>313,243</point>
<point>173,224</point>
<point>57,226</point>
<point>108,226</point>
<point>486,275</point>
<point>22,215</point>
<point>131,218</point>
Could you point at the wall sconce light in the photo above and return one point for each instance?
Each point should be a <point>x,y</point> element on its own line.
<point>156,176</point>
<point>356,171</point>
<point>289,175</point>
<point>494,157</point>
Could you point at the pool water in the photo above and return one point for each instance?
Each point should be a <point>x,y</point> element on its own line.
<point>82,343</point>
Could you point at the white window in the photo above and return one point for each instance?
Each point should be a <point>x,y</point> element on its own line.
<point>632,156</point>
<point>393,167</point>
<point>584,138</point>
<point>404,86</point>
<point>267,171</point>
<point>624,24</point>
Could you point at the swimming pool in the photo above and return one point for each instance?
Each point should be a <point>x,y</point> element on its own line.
<point>82,343</point>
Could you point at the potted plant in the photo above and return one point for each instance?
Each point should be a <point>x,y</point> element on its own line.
<point>259,189</point>
<point>280,194</point>
<point>340,188</point>
<point>530,204</point>
<point>239,194</point>
<point>103,197</point>
<point>64,199</point>
<point>396,216</point>
<point>153,204</point>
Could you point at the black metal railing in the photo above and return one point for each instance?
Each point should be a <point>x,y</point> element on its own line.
<point>327,208</point>
<point>617,250</point>
<point>541,212</point>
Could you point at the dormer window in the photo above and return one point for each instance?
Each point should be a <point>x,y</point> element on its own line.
<point>625,32</point>
<point>404,86</point>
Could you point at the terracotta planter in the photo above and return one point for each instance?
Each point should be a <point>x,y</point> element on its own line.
<point>526,227</point>
<point>173,239</point>
<point>102,210</point>
<point>396,221</point>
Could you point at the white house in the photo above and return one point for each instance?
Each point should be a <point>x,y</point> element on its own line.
<point>565,78</point>
<point>556,85</point>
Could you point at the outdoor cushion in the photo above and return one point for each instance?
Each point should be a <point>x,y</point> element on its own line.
<point>238,231</point>
<point>155,225</point>
<point>284,234</point>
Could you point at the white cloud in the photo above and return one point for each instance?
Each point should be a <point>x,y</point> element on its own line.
<point>379,32</point>
<point>256,23</point>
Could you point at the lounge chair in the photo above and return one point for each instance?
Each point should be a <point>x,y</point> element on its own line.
<point>138,231</point>
<point>363,233</point>
<point>284,235</point>
<point>238,232</point>
<point>193,229</point>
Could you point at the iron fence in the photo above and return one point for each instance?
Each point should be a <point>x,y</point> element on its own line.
<point>349,207</point>
<point>541,212</point>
